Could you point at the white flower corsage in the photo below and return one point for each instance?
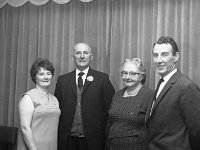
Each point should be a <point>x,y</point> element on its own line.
<point>90,78</point>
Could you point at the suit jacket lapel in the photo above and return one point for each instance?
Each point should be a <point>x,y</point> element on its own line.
<point>87,83</point>
<point>73,82</point>
<point>168,85</point>
<point>162,93</point>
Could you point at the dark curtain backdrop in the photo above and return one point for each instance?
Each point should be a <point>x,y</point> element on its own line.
<point>115,29</point>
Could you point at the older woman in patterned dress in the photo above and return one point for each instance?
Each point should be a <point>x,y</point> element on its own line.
<point>127,130</point>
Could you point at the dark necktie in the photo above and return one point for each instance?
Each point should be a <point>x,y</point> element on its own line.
<point>158,85</point>
<point>80,80</point>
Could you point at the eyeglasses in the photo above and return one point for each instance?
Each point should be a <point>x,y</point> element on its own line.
<point>131,74</point>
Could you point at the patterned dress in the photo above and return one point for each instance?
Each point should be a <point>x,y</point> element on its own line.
<point>44,123</point>
<point>127,120</point>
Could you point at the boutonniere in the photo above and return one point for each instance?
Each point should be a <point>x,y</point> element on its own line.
<point>90,78</point>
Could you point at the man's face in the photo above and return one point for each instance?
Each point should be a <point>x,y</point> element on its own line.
<point>82,56</point>
<point>163,58</point>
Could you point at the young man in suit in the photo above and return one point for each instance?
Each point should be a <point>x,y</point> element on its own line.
<point>174,114</point>
<point>84,97</point>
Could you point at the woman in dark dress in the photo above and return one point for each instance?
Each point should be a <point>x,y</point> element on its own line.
<point>127,113</point>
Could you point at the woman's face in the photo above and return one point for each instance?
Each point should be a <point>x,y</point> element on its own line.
<point>131,75</point>
<point>43,78</point>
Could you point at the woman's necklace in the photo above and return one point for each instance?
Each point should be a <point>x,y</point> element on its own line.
<point>131,94</point>
<point>134,92</point>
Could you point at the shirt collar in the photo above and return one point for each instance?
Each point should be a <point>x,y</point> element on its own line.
<point>167,77</point>
<point>84,71</point>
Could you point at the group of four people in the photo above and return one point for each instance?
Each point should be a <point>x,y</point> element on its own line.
<point>85,113</point>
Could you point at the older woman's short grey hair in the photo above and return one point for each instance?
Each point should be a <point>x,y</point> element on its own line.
<point>138,63</point>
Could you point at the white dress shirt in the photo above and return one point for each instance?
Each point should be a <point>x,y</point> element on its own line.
<point>166,79</point>
<point>83,77</point>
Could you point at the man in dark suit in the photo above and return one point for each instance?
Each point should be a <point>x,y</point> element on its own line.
<point>84,97</point>
<point>174,114</point>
